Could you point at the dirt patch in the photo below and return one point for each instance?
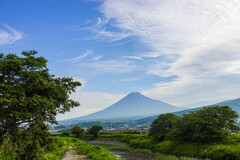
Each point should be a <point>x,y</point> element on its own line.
<point>72,155</point>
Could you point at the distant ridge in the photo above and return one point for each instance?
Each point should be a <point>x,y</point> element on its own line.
<point>234,104</point>
<point>133,105</point>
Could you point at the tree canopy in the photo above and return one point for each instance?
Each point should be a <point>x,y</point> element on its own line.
<point>77,131</point>
<point>207,125</point>
<point>94,130</point>
<point>31,96</point>
<point>162,126</point>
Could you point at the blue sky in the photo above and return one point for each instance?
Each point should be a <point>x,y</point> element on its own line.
<point>182,52</point>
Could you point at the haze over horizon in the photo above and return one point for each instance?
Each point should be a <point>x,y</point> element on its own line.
<point>185,53</point>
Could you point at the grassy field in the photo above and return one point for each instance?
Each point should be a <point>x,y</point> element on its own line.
<point>157,155</point>
<point>94,152</point>
<point>229,149</point>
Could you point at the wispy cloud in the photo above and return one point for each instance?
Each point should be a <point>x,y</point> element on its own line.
<point>199,41</point>
<point>76,59</point>
<point>97,58</point>
<point>133,57</point>
<point>112,66</point>
<point>101,33</point>
<point>130,79</point>
<point>9,35</point>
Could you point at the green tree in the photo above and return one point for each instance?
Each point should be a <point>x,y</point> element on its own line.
<point>163,126</point>
<point>207,125</point>
<point>77,131</point>
<point>65,134</point>
<point>30,96</point>
<point>94,130</point>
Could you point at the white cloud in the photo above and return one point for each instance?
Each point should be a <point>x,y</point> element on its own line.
<point>97,58</point>
<point>102,33</point>
<point>199,40</point>
<point>76,59</point>
<point>111,66</point>
<point>90,102</point>
<point>130,79</point>
<point>9,35</point>
<point>133,57</point>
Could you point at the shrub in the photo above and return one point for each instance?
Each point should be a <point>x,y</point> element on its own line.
<point>77,131</point>
<point>8,150</point>
<point>145,143</point>
<point>163,126</point>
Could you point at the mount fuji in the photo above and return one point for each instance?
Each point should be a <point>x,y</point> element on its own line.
<point>133,105</point>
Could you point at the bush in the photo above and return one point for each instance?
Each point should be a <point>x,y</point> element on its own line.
<point>94,130</point>
<point>222,152</point>
<point>65,134</point>
<point>145,143</point>
<point>207,125</point>
<point>77,131</point>
<point>8,150</point>
<point>131,132</point>
<point>163,126</point>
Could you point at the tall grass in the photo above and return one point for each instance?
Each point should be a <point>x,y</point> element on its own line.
<point>155,154</point>
<point>60,146</point>
<point>228,149</point>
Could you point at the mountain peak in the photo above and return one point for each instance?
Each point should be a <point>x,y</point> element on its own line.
<point>134,93</point>
<point>132,105</point>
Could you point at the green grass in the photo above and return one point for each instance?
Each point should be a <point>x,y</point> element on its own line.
<point>228,149</point>
<point>56,149</point>
<point>94,152</point>
<point>150,153</point>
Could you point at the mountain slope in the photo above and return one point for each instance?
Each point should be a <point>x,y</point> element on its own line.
<point>234,104</point>
<point>133,105</point>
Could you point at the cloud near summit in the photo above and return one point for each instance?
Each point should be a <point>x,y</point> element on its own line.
<point>199,40</point>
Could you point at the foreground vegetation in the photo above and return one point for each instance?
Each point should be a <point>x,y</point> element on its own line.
<point>29,97</point>
<point>207,133</point>
<point>228,149</point>
<point>94,152</point>
<point>207,125</point>
<point>157,155</point>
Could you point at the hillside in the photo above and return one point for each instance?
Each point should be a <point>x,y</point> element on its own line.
<point>234,104</point>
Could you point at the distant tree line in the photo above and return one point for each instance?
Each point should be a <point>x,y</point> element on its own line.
<point>77,131</point>
<point>207,125</point>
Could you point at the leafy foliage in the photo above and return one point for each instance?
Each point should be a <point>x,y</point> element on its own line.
<point>77,131</point>
<point>7,150</point>
<point>207,125</point>
<point>65,133</point>
<point>30,96</point>
<point>94,130</point>
<point>163,126</point>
